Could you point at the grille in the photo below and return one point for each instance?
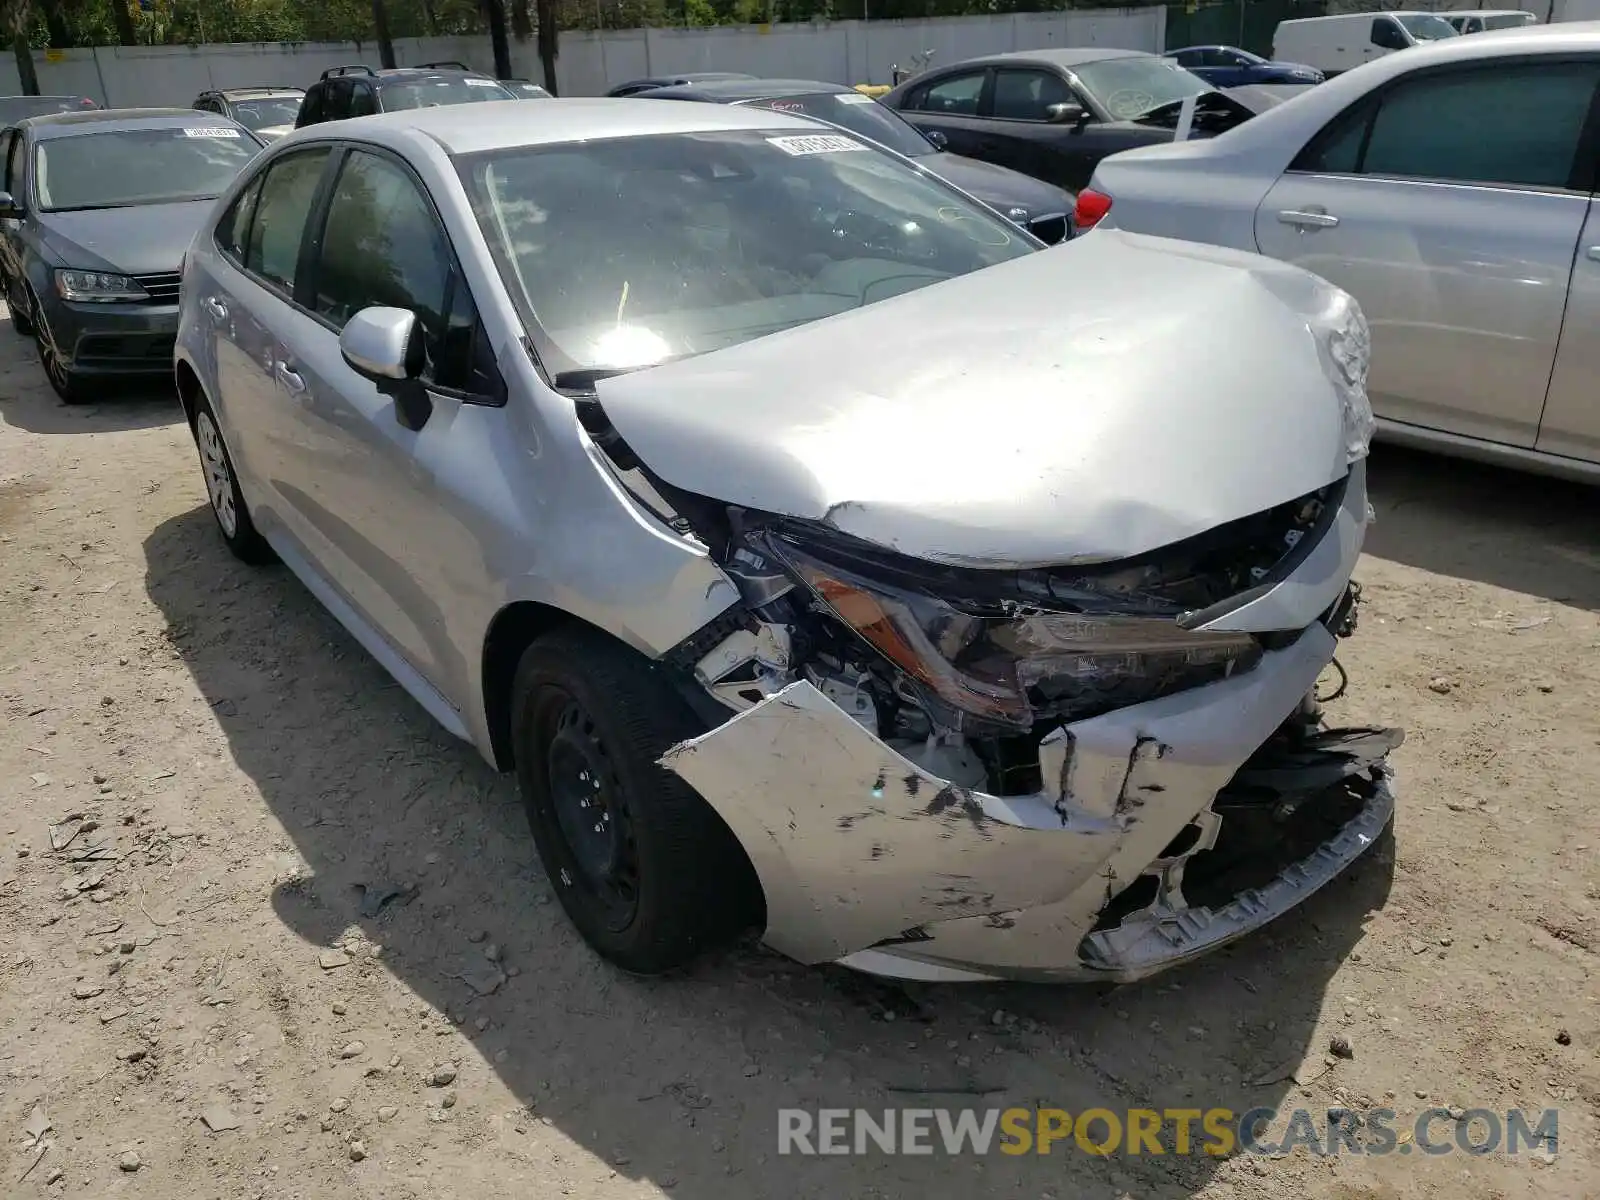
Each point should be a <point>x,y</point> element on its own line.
<point>1049,229</point>
<point>125,348</point>
<point>162,286</point>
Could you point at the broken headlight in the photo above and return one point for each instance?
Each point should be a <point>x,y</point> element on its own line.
<point>1010,667</point>
<point>1346,345</point>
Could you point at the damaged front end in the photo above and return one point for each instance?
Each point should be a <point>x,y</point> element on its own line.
<point>1090,771</point>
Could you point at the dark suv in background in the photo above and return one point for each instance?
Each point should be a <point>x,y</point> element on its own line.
<point>267,110</point>
<point>359,91</point>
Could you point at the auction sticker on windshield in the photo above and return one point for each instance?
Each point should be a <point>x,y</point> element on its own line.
<point>815,143</point>
<point>211,131</point>
<point>480,83</point>
<point>854,98</point>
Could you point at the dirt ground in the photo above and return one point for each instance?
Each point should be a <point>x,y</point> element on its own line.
<point>215,948</point>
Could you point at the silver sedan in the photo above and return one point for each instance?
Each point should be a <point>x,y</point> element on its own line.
<point>1449,189</point>
<point>822,553</point>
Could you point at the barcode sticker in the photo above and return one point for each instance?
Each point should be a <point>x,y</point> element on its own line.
<point>480,83</point>
<point>210,131</point>
<point>854,98</point>
<point>815,143</point>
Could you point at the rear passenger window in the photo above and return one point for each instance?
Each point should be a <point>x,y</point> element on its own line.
<point>272,249</point>
<point>364,102</point>
<point>958,94</point>
<point>383,245</point>
<point>234,228</point>
<point>1515,125</point>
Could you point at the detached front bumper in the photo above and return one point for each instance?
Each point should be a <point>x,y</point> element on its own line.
<point>870,860</point>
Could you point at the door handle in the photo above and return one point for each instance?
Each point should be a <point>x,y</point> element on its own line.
<point>289,378</point>
<point>216,308</point>
<point>1307,219</point>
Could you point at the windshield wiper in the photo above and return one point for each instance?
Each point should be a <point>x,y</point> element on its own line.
<point>583,379</point>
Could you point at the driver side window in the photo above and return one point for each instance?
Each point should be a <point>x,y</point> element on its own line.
<point>1028,95</point>
<point>1386,33</point>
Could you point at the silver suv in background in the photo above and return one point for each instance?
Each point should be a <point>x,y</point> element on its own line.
<point>754,496</point>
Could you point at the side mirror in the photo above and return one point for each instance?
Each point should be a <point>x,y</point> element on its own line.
<point>940,142</point>
<point>10,208</point>
<point>385,345</point>
<point>1067,113</point>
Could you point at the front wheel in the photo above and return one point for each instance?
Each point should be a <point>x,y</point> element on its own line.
<point>68,384</point>
<point>643,866</point>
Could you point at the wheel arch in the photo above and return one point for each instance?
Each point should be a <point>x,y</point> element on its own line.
<point>189,389</point>
<point>514,628</point>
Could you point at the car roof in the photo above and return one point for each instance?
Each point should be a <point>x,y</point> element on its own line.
<point>63,96</point>
<point>502,124</point>
<point>112,120</point>
<point>730,91</point>
<point>265,89</point>
<point>1064,56</point>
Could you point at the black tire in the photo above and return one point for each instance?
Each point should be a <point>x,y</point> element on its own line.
<point>68,384</point>
<point>222,490</point>
<point>21,318</point>
<point>582,702</point>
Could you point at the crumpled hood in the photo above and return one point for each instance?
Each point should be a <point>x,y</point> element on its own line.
<point>1088,402</point>
<point>139,240</point>
<point>999,187</point>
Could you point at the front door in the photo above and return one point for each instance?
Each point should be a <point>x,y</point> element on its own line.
<point>394,541</point>
<point>950,104</point>
<point>1571,424</point>
<point>1449,206</point>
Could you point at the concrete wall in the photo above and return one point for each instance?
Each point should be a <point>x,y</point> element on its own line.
<point>841,52</point>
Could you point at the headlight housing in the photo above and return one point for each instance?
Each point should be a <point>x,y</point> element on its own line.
<point>1010,668</point>
<point>98,287</point>
<point>1345,342</point>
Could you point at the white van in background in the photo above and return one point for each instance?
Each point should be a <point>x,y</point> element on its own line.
<point>1335,44</point>
<point>1485,19</point>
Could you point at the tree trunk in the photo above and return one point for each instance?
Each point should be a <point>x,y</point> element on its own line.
<point>380,26</point>
<point>521,22</point>
<point>123,20</point>
<point>547,43</point>
<point>55,22</point>
<point>25,72</point>
<point>495,11</point>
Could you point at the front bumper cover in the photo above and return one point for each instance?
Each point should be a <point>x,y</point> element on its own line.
<point>868,859</point>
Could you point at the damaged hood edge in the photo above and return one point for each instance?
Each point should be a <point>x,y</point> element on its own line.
<point>1081,404</point>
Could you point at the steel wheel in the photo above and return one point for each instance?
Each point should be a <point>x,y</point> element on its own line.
<point>590,809</point>
<point>219,480</point>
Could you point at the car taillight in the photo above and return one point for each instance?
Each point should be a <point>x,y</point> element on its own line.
<point>1092,208</point>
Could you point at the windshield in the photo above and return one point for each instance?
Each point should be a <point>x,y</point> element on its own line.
<point>429,93</point>
<point>15,108</point>
<point>859,114</point>
<point>267,111</point>
<point>1426,27</point>
<point>126,167</point>
<point>1127,88</point>
<point>627,252</point>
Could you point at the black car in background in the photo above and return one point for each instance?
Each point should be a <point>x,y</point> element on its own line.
<point>96,211</point>
<point>267,110</point>
<point>359,91</point>
<point>18,108</point>
<point>1054,114</point>
<point>635,86</point>
<point>1038,207</point>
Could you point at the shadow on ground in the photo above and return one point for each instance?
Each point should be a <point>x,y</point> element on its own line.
<point>1469,521</point>
<point>680,1080</point>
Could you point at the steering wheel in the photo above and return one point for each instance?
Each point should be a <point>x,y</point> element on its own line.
<point>1129,102</point>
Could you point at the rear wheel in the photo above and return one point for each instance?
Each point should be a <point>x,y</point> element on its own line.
<point>222,489</point>
<point>642,865</point>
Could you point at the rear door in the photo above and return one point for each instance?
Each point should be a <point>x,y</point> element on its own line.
<point>1571,424</point>
<point>254,322</point>
<point>951,104</point>
<point>1449,205</point>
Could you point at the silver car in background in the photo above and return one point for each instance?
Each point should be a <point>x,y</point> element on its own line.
<point>1451,190</point>
<point>757,499</point>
